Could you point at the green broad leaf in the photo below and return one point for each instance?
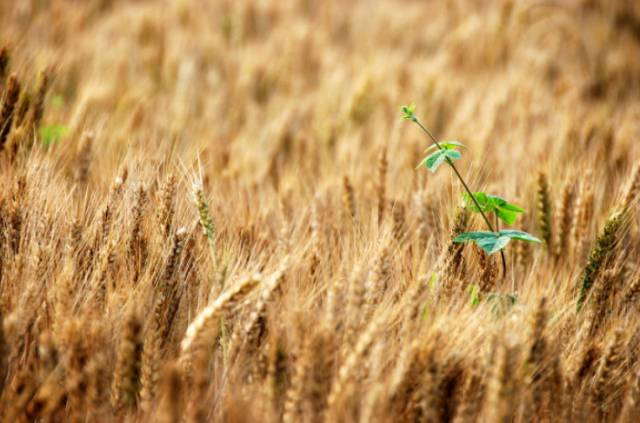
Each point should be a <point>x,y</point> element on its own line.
<point>429,160</point>
<point>519,235</point>
<point>493,244</point>
<point>408,112</point>
<point>446,145</point>
<point>506,216</point>
<point>483,200</point>
<point>507,212</point>
<point>512,207</point>
<point>434,160</point>
<point>490,242</point>
<point>473,236</point>
<point>453,154</point>
<point>504,204</point>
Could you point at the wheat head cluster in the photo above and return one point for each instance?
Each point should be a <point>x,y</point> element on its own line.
<point>210,211</point>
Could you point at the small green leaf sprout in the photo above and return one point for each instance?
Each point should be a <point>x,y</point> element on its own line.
<point>408,112</point>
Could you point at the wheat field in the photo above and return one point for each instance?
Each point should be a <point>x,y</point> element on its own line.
<point>211,211</point>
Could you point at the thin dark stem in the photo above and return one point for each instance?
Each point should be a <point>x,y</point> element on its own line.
<point>502,255</point>
<point>464,184</point>
<point>466,187</point>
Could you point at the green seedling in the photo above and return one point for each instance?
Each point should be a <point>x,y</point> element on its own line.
<point>491,241</point>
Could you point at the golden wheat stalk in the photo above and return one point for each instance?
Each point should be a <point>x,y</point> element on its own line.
<point>209,316</point>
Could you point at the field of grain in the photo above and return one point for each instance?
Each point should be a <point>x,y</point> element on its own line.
<point>211,211</point>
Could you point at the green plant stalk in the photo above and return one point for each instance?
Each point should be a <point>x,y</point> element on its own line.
<point>466,187</point>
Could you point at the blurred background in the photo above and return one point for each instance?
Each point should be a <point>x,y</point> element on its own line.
<point>313,88</point>
<point>275,126</point>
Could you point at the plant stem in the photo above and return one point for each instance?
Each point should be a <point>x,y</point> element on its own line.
<point>466,187</point>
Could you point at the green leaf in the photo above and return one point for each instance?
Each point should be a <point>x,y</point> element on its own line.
<point>493,204</point>
<point>434,160</point>
<point>482,199</point>
<point>506,212</point>
<point>519,235</point>
<point>429,160</point>
<point>453,154</point>
<point>513,208</point>
<point>492,242</point>
<point>446,145</point>
<point>408,112</point>
<point>472,236</point>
